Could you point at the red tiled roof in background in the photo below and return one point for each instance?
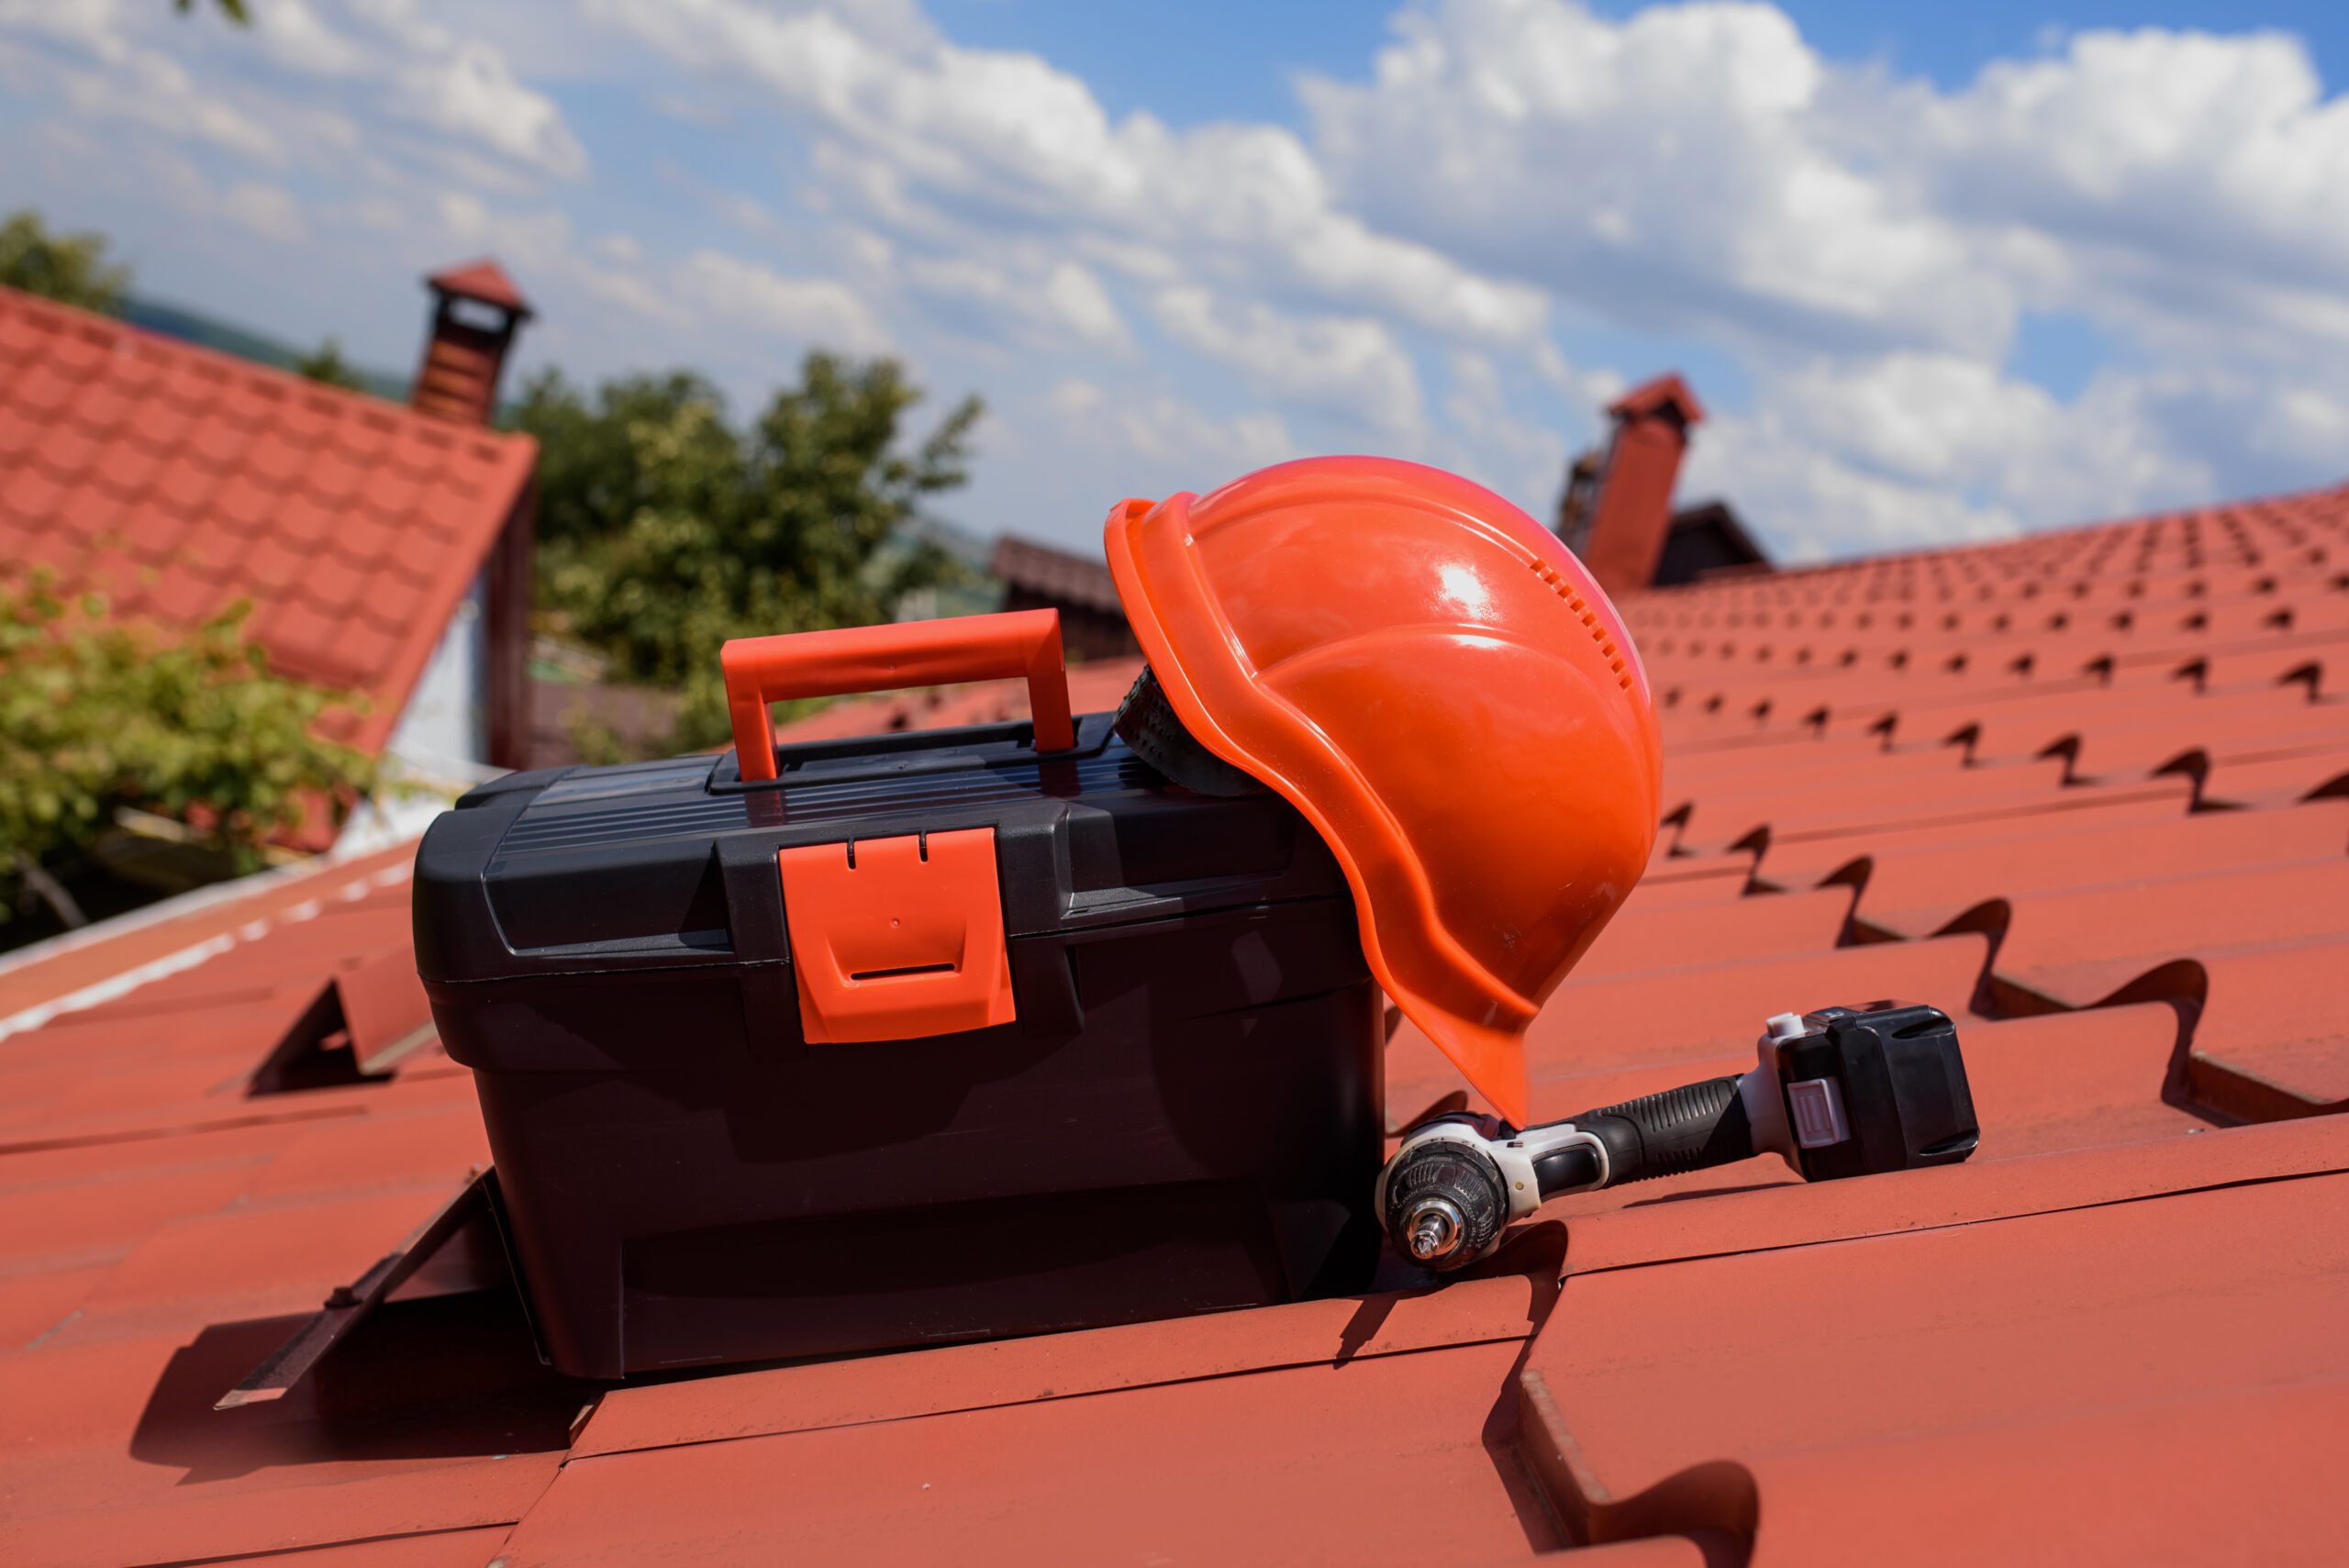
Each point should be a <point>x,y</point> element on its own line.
<point>1037,576</point>
<point>2085,791</point>
<point>1057,576</point>
<point>177,481</point>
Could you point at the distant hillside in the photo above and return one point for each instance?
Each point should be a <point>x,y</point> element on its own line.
<point>193,327</point>
<point>965,546</point>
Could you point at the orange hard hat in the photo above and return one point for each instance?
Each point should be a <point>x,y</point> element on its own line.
<point>1436,683</point>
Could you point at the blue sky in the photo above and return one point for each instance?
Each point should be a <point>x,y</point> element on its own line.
<point>1228,59</point>
<point>1940,272</point>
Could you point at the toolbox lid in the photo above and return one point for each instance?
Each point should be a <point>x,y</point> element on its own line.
<point>676,862</point>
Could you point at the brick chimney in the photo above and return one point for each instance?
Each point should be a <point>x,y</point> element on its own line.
<point>476,310</point>
<point>1633,511</point>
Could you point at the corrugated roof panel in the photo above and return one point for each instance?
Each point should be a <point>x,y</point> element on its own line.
<point>2109,1334</point>
<point>1954,1343</point>
<point>1387,1460</point>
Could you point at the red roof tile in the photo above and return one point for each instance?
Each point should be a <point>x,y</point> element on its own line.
<point>121,449</point>
<point>2111,1335</point>
<point>2027,1389</point>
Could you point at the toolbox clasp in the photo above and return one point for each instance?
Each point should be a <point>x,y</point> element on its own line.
<point>896,939</point>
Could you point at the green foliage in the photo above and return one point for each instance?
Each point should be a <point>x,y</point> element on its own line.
<point>95,718</point>
<point>327,365</point>
<point>592,474</point>
<point>234,10</point>
<point>664,530</point>
<point>71,269</point>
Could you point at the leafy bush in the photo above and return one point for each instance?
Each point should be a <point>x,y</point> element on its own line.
<point>71,269</point>
<point>326,366</point>
<point>97,717</point>
<point>664,530</point>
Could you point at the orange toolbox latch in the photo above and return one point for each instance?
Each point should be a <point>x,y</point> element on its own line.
<point>895,938</point>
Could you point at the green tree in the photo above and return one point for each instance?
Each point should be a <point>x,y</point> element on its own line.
<point>95,718</point>
<point>591,478</point>
<point>234,10</point>
<point>68,268</point>
<point>326,366</point>
<point>667,531</point>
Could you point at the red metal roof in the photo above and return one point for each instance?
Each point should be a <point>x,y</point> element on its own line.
<point>177,481</point>
<point>2084,791</point>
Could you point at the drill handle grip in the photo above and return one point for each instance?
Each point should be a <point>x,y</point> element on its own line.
<point>1686,1128</point>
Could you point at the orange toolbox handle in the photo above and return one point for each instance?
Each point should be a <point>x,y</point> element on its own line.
<point>763,670</point>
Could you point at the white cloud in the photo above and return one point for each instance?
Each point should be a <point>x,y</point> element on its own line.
<point>730,293</point>
<point>1471,241</point>
<point>268,210</point>
<point>1931,446</point>
<point>540,246</point>
<point>94,27</point>
<point>2186,187</point>
<point>1348,364</point>
<point>1870,246</point>
<point>471,92</point>
<point>1820,504</point>
<point>1490,434</point>
<point>158,92</point>
<point>1074,296</point>
<point>1677,169</point>
<point>1209,448</point>
<point>1059,301</point>
<point>1074,397</point>
<point>295,35</point>
<point>2313,424</point>
<point>920,122</point>
<point>142,64</point>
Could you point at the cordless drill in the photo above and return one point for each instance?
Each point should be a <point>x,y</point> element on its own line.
<point>1840,1092</point>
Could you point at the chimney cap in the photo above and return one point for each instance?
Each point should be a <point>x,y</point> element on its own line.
<point>1665,394</point>
<point>485,281</point>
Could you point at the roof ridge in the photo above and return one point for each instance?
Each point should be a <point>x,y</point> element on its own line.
<point>337,401</point>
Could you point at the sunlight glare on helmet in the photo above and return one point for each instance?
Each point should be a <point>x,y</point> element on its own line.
<point>1462,586</point>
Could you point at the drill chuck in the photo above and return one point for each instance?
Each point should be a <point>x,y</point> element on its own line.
<point>1435,1229</point>
<point>1445,1202</point>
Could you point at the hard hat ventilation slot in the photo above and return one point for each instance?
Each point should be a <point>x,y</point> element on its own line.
<point>1582,608</point>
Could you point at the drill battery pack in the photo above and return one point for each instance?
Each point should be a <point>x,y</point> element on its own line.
<point>811,1049</point>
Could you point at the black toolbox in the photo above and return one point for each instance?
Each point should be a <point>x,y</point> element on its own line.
<point>931,1036</point>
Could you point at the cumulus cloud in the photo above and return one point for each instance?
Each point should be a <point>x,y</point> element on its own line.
<point>471,92</point>
<point>1348,363</point>
<point>1164,440</point>
<point>268,210</point>
<point>1920,446</point>
<point>1508,212</point>
<point>1870,246</point>
<point>140,64</point>
<point>153,90</point>
<point>292,33</point>
<point>1679,169</point>
<point>1010,139</point>
<point>1058,301</point>
<point>732,294</point>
